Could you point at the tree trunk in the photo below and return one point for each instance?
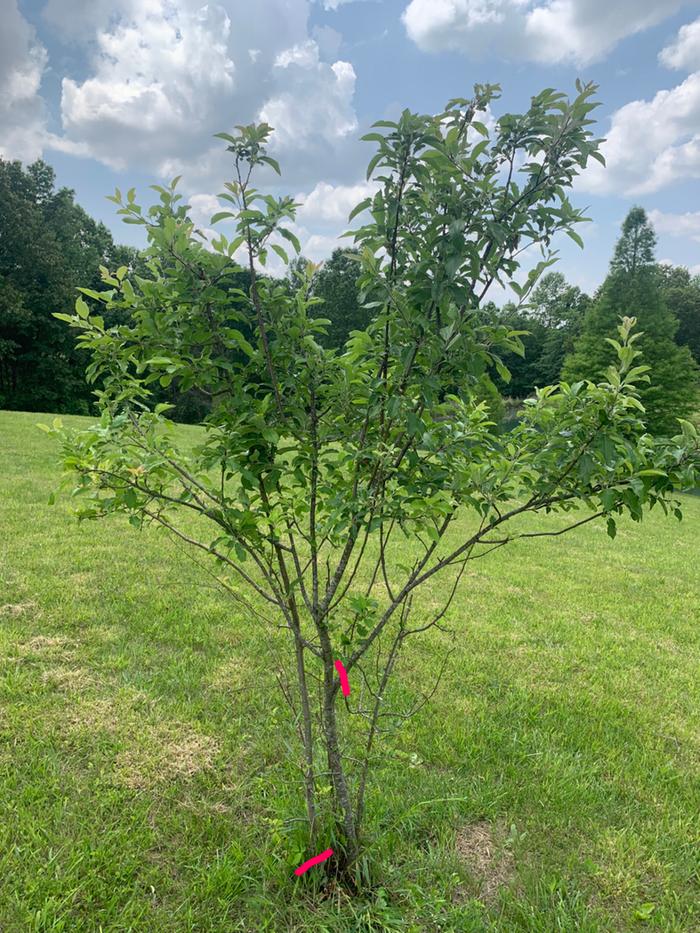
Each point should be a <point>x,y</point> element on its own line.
<point>341,792</point>
<point>307,735</point>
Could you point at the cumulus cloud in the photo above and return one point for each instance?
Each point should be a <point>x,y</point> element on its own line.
<point>650,144</point>
<point>684,53</point>
<point>314,100</point>
<point>654,143</point>
<point>680,225</point>
<point>547,31</point>
<point>158,77</point>
<point>332,203</point>
<point>165,75</point>
<point>22,63</point>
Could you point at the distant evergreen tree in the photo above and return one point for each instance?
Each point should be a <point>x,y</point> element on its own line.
<point>634,251</point>
<point>632,289</point>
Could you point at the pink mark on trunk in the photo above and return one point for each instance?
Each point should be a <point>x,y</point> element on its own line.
<point>305,866</point>
<point>344,684</point>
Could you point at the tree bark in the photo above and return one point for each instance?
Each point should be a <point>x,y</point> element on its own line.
<point>341,792</point>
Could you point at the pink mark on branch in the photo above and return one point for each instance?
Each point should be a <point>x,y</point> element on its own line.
<point>305,866</point>
<point>344,685</point>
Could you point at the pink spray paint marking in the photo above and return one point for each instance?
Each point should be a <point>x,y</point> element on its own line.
<point>305,866</point>
<point>344,685</point>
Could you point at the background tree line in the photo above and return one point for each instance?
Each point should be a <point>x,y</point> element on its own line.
<point>49,245</point>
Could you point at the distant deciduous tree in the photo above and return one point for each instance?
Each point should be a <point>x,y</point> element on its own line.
<point>632,289</point>
<point>521,363</point>
<point>561,308</point>
<point>550,323</point>
<point>335,282</point>
<point>681,292</point>
<point>48,246</point>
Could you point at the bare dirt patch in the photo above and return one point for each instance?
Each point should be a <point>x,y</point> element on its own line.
<point>482,850</point>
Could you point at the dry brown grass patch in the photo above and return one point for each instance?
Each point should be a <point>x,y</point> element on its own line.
<point>93,715</point>
<point>231,675</point>
<point>40,643</point>
<point>481,849</point>
<point>68,679</point>
<point>17,609</point>
<point>147,752</point>
<point>162,754</point>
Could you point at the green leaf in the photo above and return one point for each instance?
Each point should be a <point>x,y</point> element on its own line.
<point>280,252</point>
<point>373,162</point>
<point>291,238</point>
<point>575,237</point>
<point>272,162</point>
<point>362,206</point>
<point>242,342</point>
<point>503,371</point>
<point>221,215</point>
<point>644,912</point>
<point>93,294</point>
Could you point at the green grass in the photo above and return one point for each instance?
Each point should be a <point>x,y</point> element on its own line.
<point>143,764</point>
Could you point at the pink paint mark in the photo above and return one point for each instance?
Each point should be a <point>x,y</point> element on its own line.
<point>305,866</point>
<point>344,684</point>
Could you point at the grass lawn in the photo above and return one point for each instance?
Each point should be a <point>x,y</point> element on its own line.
<point>144,771</point>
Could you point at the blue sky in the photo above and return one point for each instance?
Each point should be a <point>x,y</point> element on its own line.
<point>129,92</point>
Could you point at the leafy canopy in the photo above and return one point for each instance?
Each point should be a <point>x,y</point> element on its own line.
<point>314,459</point>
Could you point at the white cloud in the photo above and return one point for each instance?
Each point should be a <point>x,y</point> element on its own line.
<point>335,4</point>
<point>77,20</point>
<point>159,77</point>
<point>22,63</point>
<point>165,75</point>
<point>314,100</point>
<point>681,225</point>
<point>332,203</point>
<point>552,31</point>
<point>684,53</point>
<point>202,208</point>
<point>650,144</point>
<point>654,143</point>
